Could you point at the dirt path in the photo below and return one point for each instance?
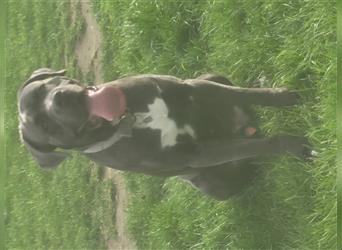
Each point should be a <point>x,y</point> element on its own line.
<point>88,55</point>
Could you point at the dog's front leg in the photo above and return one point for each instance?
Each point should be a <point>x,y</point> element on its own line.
<point>213,153</point>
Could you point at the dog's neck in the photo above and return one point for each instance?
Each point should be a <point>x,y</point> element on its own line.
<point>123,128</point>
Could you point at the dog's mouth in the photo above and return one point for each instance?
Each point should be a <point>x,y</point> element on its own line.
<point>107,102</point>
<point>104,104</point>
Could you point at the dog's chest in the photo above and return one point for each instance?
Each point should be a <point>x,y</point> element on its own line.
<point>157,118</point>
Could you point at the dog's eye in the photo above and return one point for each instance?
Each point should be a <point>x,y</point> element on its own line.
<point>41,89</point>
<point>73,81</point>
<point>42,122</point>
<point>45,125</point>
<point>42,86</point>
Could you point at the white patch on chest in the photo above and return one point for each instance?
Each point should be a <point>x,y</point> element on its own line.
<point>157,117</point>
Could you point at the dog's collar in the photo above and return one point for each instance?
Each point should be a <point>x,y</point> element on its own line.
<point>124,129</point>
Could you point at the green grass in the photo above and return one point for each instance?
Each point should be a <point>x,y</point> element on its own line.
<point>65,208</point>
<point>290,43</point>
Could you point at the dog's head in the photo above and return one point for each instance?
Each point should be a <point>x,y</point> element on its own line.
<point>54,113</point>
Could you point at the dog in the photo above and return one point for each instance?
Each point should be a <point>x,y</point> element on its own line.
<point>202,130</point>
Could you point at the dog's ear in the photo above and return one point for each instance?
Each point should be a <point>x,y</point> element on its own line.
<point>43,73</point>
<point>46,156</point>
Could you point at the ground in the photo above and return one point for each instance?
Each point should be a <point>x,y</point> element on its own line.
<point>88,57</point>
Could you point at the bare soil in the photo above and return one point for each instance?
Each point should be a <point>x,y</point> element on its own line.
<point>88,54</point>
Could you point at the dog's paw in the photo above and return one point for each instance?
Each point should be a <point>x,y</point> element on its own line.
<point>298,146</point>
<point>303,149</point>
<point>287,97</point>
<point>293,97</point>
<point>309,154</point>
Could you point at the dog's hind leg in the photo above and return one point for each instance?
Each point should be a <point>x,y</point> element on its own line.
<point>220,151</point>
<point>231,95</point>
<point>216,78</point>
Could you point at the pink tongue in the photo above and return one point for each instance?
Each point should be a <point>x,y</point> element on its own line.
<point>108,102</point>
